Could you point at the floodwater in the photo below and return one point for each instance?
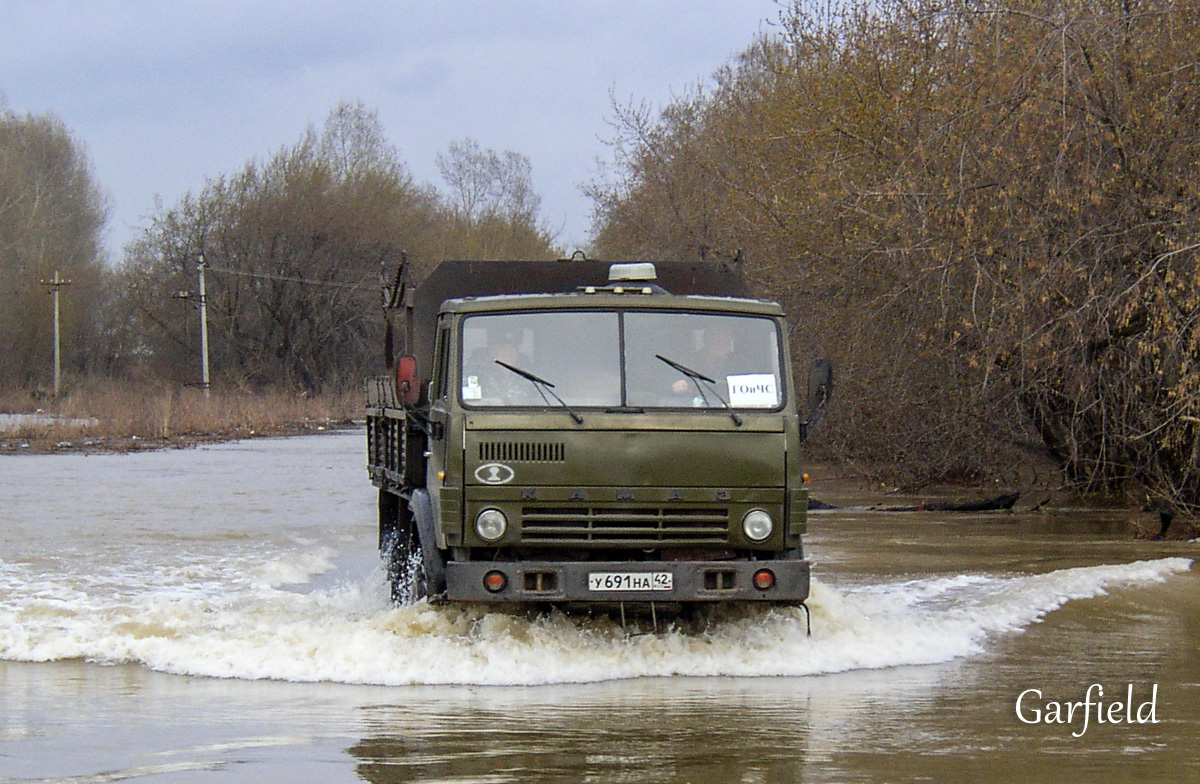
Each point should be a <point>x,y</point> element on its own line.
<point>219,615</point>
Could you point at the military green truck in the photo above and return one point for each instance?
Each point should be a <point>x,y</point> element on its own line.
<point>567,432</point>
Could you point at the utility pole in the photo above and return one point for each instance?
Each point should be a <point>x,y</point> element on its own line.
<point>204,326</point>
<point>202,298</point>
<point>54,285</point>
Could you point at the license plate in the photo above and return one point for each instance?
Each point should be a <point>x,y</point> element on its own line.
<point>630,581</point>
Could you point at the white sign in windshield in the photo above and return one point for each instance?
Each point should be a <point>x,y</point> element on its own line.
<point>753,390</point>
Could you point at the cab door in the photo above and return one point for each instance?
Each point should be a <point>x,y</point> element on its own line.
<point>444,466</point>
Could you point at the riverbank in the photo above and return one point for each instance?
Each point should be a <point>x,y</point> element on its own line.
<point>1034,486</point>
<point>108,417</point>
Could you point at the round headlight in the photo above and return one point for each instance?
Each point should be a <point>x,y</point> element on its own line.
<point>757,525</point>
<point>491,524</point>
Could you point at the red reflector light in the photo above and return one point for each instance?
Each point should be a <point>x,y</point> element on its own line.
<point>764,579</point>
<point>495,582</point>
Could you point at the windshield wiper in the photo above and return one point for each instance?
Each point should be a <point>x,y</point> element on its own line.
<point>540,384</point>
<point>696,376</point>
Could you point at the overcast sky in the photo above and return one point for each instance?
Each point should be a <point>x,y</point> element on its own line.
<point>165,94</point>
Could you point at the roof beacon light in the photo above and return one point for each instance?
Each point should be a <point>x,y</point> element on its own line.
<point>642,271</point>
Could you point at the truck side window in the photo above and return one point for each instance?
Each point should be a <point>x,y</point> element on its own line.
<point>442,371</point>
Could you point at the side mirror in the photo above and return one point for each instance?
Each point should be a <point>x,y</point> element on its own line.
<point>820,388</point>
<point>407,388</point>
<point>820,383</point>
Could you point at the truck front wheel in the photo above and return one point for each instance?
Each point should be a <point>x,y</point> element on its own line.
<point>416,569</point>
<point>400,548</point>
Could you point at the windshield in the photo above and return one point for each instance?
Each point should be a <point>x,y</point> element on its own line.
<point>631,359</point>
<point>577,353</point>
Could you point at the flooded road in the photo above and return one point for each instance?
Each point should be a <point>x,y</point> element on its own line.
<point>219,614</point>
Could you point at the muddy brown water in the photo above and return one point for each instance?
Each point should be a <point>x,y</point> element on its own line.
<point>218,614</point>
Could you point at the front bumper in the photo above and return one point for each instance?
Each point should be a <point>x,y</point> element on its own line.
<point>567,581</point>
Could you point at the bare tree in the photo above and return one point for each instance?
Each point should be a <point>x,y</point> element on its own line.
<point>294,247</point>
<point>51,217</point>
<point>984,209</point>
<point>487,184</point>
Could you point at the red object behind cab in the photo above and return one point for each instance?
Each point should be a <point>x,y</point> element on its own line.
<point>406,379</point>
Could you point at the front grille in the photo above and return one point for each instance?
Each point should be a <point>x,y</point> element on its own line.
<point>641,526</point>
<point>521,452</point>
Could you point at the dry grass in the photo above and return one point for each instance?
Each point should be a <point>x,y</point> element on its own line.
<point>114,416</point>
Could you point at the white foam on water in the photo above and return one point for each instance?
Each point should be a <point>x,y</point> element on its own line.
<point>296,569</point>
<point>228,617</point>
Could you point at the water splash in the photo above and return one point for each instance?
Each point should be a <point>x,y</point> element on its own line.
<point>230,617</point>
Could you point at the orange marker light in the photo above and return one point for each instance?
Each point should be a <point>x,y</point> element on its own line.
<point>494,581</point>
<point>764,579</point>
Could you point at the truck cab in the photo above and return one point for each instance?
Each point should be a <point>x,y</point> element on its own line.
<point>614,442</point>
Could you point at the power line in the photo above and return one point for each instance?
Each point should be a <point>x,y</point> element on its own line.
<point>287,278</point>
